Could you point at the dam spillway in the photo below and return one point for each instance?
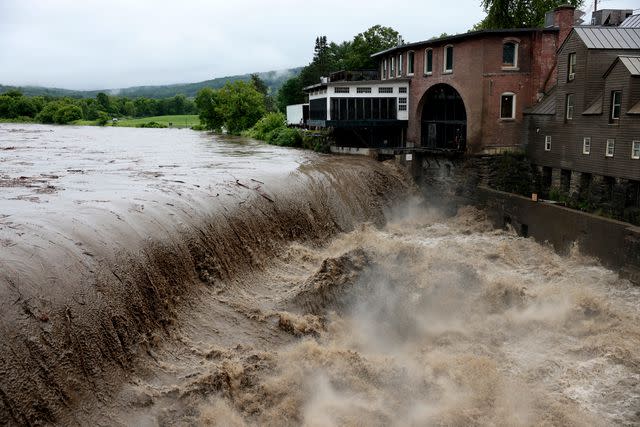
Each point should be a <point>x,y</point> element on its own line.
<point>168,277</point>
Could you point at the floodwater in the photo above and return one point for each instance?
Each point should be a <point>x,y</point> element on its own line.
<point>319,291</point>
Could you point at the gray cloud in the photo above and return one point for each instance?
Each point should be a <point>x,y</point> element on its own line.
<point>93,44</point>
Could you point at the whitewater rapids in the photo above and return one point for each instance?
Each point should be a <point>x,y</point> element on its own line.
<point>319,294</point>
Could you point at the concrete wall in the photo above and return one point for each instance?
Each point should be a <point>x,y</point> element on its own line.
<point>615,244</point>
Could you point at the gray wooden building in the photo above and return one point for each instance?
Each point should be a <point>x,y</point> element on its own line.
<point>587,129</point>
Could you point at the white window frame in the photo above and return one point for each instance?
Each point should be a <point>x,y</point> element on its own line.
<point>426,56</point>
<point>547,143</point>
<point>516,45</point>
<point>445,70</point>
<point>513,106</point>
<point>586,145</point>
<point>568,109</point>
<point>611,143</point>
<point>410,72</point>
<point>635,144</point>
<point>571,67</point>
<point>614,104</point>
<point>399,62</point>
<point>392,68</point>
<point>384,69</point>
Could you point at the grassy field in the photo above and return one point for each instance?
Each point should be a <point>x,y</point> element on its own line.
<point>180,121</point>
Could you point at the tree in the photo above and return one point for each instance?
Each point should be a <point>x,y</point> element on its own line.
<point>103,100</point>
<point>290,93</point>
<point>67,113</point>
<point>365,44</point>
<point>241,106</point>
<point>207,102</point>
<point>518,13</point>
<point>260,85</point>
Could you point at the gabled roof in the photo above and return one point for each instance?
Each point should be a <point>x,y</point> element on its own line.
<point>609,37</point>
<point>631,22</point>
<point>632,63</point>
<point>595,107</point>
<point>546,107</point>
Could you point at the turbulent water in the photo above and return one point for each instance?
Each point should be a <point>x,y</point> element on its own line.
<point>326,302</point>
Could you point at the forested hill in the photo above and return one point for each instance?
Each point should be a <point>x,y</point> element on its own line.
<point>273,80</point>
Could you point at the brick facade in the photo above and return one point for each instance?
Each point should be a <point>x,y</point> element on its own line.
<point>480,78</point>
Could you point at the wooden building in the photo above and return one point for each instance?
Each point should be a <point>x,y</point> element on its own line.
<point>588,128</point>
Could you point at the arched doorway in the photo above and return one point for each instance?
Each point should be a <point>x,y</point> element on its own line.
<point>444,119</point>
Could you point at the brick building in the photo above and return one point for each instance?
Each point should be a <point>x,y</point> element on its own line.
<point>469,91</point>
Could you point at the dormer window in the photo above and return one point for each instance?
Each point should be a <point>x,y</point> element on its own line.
<point>616,103</point>
<point>510,55</point>
<point>571,68</point>
<point>448,59</point>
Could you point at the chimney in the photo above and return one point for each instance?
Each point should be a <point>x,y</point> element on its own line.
<point>563,19</point>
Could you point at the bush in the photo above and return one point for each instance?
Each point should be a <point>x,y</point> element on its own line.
<point>103,118</point>
<point>266,126</point>
<point>151,125</point>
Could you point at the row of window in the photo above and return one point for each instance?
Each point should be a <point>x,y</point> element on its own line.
<point>609,151</point>
<point>392,67</point>
<point>347,89</point>
<point>614,115</point>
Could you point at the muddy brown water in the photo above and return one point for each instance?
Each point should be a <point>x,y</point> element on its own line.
<point>167,277</point>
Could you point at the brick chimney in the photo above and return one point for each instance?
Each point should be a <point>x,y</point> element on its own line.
<point>563,19</point>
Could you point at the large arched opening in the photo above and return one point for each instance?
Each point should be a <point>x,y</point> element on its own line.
<point>444,119</point>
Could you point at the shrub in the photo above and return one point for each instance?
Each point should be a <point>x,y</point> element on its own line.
<point>151,124</point>
<point>286,137</point>
<point>266,126</point>
<point>103,118</point>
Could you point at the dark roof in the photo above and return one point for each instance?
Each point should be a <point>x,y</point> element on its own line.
<point>595,108</point>
<point>470,34</point>
<point>635,109</point>
<point>609,37</point>
<point>546,107</point>
<point>631,22</point>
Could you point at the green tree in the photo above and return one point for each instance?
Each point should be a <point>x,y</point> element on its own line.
<point>7,107</point>
<point>241,106</point>
<point>207,103</point>
<point>365,44</point>
<point>67,113</point>
<point>260,85</point>
<point>290,93</point>
<point>518,13</point>
<point>103,101</point>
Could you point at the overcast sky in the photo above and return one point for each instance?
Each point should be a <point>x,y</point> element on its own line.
<point>98,44</point>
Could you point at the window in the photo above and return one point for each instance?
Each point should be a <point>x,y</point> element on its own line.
<point>547,143</point>
<point>399,65</point>
<point>571,69</point>
<point>363,90</point>
<point>568,114</point>
<point>385,90</point>
<point>384,69</point>
<point>392,70</point>
<point>616,102</point>
<point>507,106</point>
<point>635,150</point>
<point>341,89</point>
<point>402,90</point>
<point>402,104</point>
<point>610,147</point>
<point>410,58</point>
<point>428,61</point>
<point>448,59</point>
<point>586,145</point>
<point>510,55</point>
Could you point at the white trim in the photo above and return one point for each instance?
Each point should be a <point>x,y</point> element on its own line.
<point>633,143</point>
<point>516,46</point>
<point>425,72</point>
<point>610,143</point>
<point>513,106</point>
<point>446,70</point>
<point>586,145</point>
<point>392,67</point>
<point>399,63</point>
<point>547,143</point>
<point>414,63</point>
<point>566,106</point>
<point>571,75</point>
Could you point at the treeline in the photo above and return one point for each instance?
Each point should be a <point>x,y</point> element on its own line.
<point>329,57</point>
<point>44,109</point>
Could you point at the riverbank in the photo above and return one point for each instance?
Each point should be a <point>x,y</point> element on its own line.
<point>170,121</point>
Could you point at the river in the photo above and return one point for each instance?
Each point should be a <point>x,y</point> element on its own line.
<point>168,277</point>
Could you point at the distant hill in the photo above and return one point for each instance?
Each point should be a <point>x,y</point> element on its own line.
<point>273,79</point>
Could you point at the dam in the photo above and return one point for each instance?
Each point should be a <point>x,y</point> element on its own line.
<point>169,277</point>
